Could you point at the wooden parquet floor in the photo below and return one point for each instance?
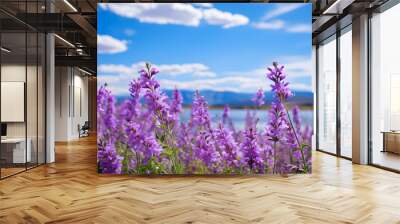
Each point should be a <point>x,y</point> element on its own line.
<point>70,191</point>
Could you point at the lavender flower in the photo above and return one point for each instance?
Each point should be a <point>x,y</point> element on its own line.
<point>258,99</point>
<point>228,147</point>
<point>106,122</point>
<point>279,86</point>
<point>204,148</point>
<point>135,93</point>
<point>144,134</point>
<point>252,151</point>
<point>143,144</point>
<point>176,105</point>
<point>251,120</point>
<point>296,118</point>
<point>109,160</point>
<point>156,100</point>
<point>225,115</point>
<point>200,116</point>
<point>227,121</point>
<point>184,142</point>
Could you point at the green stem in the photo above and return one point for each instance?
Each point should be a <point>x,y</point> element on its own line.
<point>297,139</point>
<point>274,167</point>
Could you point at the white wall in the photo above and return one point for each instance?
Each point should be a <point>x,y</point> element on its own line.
<point>71,94</point>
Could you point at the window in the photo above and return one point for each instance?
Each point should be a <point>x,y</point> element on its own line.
<point>327,95</point>
<point>346,92</point>
<point>22,101</point>
<point>385,89</point>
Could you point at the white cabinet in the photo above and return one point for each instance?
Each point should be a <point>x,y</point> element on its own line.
<point>19,155</point>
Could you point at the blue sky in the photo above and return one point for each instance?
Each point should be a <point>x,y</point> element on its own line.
<point>221,46</point>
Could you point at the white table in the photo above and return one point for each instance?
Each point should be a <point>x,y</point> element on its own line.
<point>19,154</point>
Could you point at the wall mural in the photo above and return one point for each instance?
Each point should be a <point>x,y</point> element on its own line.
<point>204,88</point>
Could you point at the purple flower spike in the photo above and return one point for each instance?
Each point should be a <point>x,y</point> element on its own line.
<point>296,118</point>
<point>252,151</point>
<point>106,122</point>
<point>280,85</point>
<point>200,116</point>
<point>109,160</point>
<point>144,135</point>
<point>258,99</point>
<point>204,149</point>
<point>228,147</point>
<point>176,105</point>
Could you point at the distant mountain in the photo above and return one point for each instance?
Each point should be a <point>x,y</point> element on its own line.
<point>235,99</point>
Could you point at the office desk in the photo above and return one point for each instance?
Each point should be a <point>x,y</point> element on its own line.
<point>391,141</point>
<point>15,148</point>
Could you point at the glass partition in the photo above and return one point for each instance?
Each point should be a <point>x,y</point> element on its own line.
<point>41,97</point>
<point>31,97</point>
<point>385,89</point>
<point>327,95</point>
<point>22,77</point>
<point>13,94</point>
<point>346,93</point>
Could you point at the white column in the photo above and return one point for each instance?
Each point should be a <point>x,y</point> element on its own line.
<point>314,89</point>
<point>50,100</point>
<point>360,90</point>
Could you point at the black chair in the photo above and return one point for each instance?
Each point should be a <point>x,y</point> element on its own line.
<point>84,130</point>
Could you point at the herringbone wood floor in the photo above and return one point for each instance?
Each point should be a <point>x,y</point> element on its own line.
<point>70,191</point>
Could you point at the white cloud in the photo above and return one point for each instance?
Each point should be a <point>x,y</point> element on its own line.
<point>281,25</point>
<point>119,69</point>
<point>297,69</point>
<point>271,25</point>
<point>229,83</point>
<point>281,9</point>
<point>195,69</point>
<point>225,19</point>
<point>109,45</point>
<point>203,5</point>
<point>299,28</point>
<point>174,13</point>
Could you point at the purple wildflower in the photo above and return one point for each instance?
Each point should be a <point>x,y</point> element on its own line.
<point>106,122</point>
<point>204,148</point>
<point>296,118</point>
<point>109,160</point>
<point>252,151</point>
<point>149,138</point>
<point>226,119</point>
<point>184,142</point>
<point>280,85</point>
<point>156,100</point>
<point>228,147</point>
<point>258,99</point>
<point>225,115</point>
<point>135,93</point>
<point>251,120</point>
<point>143,144</point>
<point>176,105</point>
<point>200,116</point>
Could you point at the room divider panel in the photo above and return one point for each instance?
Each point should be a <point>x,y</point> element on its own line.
<point>204,89</point>
<point>22,88</point>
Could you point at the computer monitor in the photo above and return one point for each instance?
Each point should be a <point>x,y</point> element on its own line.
<point>3,130</point>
